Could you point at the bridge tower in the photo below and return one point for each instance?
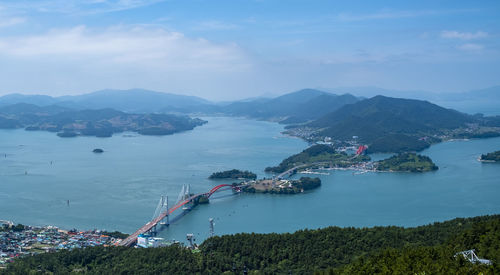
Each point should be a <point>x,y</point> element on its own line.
<point>161,208</point>
<point>191,239</point>
<point>212,231</point>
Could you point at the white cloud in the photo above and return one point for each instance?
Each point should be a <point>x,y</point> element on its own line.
<point>82,59</point>
<point>215,25</point>
<point>76,6</point>
<point>122,45</point>
<point>395,14</point>
<point>463,35</point>
<point>11,21</point>
<point>471,47</point>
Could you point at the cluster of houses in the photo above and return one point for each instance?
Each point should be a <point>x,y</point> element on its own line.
<point>17,241</point>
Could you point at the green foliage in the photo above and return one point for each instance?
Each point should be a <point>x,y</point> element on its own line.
<point>483,236</point>
<point>407,162</point>
<point>425,249</point>
<point>307,183</point>
<point>109,260</point>
<point>18,228</point>
<point>202,200</point>
<point>493,156</point>
<point>115,234</point>
<point>393,143</point>
<point>233,174</point>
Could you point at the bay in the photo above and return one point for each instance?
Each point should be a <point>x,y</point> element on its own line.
<point>119,189</point>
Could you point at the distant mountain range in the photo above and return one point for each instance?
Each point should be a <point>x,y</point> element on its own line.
<point>293,107</point>
<point>300,106</point>
<point>491,93</point>
<point>386,124</point>
<point>134,100</point>
<point>296,107</point>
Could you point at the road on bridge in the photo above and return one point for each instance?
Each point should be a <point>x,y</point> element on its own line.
<point>130,240</point>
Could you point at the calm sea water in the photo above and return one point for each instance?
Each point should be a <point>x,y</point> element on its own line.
<point>119,189</point>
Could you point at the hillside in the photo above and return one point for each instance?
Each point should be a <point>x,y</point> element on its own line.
<point>101,122</point>
<point>296,107</point>
<point>427,249</point>
<point>406,162</point>
<point>411,124</point>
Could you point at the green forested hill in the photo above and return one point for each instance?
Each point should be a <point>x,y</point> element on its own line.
<point>406,162</point>
<point>376,119</point>
<point>233,174</point>
<point>425,249</point>
<point>396,115</point>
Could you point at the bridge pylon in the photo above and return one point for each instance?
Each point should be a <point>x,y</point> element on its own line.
<point>161,209</point>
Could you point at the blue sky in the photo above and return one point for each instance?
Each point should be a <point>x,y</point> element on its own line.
<point>223,50</point>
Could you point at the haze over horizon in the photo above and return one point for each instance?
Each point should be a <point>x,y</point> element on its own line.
<point>228,50</point>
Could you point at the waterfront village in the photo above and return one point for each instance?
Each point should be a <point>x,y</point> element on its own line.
<point>22,240</point>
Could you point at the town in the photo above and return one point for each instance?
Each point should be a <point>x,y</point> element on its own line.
<point>22,240</point>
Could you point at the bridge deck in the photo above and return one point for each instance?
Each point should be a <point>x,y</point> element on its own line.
<point>130,240</point>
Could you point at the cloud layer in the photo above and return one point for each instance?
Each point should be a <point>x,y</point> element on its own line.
<point>120,45</point>
<point>464,35</point>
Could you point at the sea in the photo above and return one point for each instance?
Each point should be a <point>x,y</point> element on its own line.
<point>48,180</point>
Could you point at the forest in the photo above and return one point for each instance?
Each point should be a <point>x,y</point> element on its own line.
<point>493,156</point>
<point>407,162</point>
<point>427,249</point>
<point>233,174</point>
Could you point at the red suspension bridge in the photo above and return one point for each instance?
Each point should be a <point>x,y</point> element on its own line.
<point>184,199</point>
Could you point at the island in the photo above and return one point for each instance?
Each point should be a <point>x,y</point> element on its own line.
<point>233,174</point>
<point>67,122</point>
<point>491,157</point>
<point>319,155</point>
<point>98,151</point>
<point>406,162</point>
<point>66,134</point>
<point>281,186</point>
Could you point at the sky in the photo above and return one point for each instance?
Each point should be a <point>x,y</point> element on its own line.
<point>233,49</point>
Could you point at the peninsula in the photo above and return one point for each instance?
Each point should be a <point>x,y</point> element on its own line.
<point>395,125</point>
<point>319,154</point>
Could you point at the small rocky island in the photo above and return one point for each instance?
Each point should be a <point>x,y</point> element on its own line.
<point>491,157</point>
<point>281,186</point>
<point>406,162</point>
<point>98,151</point>
<point>233,174</point>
